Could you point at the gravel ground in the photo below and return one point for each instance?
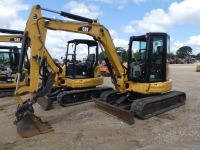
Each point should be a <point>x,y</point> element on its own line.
<point>83,127</point>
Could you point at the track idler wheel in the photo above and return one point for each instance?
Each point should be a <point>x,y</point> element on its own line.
<point>31,125</point>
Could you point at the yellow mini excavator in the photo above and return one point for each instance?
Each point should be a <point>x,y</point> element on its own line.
<point>81,77</point>
<point>142,89</point>
<point>9,57</point>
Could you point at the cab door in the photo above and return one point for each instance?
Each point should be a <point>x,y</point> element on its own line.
<point>157,57</point>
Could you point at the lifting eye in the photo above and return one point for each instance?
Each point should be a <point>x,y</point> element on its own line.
<point>127,85</point>
<point>62,81</point>
<point>101,30</point>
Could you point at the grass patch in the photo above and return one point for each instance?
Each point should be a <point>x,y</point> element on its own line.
<point>79,135</point>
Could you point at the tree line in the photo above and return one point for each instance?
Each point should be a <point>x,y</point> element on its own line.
<point>182,52</point>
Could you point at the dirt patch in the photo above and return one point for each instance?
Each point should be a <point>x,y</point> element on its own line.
<point>84,127</point>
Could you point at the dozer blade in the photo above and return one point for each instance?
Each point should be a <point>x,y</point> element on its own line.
<point>42,96</point>
<point>122,114</point>
<point>31,125</point>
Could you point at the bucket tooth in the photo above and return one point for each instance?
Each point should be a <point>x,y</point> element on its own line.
<point>31,125</point>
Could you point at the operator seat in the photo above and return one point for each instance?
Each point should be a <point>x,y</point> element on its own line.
<point>89,63</point>
<point>90,59</point>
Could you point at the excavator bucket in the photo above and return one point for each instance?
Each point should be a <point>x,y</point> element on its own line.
<point>31,125</point>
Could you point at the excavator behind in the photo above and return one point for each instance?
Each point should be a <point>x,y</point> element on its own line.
<point>80,76</point>
<point>142,89</point>
<point>9,58</point>
<point>104,69</point>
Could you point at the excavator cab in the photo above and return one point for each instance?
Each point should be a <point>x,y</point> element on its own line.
<point>9,62</point>
<point>150,64</point>
<point>9,59</point>
<point>76,68</point>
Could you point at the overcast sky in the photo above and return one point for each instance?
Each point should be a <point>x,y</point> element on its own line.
<point>123,18</point>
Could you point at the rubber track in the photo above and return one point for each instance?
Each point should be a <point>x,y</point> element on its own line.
<point>6,93</point>
<point>138,105</point>
<point>156,105</point>
<point>104,95</point>
<point>79,92</point>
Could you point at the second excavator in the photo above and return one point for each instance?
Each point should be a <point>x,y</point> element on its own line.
<point>9,58</point>
<point>142,89</point>
<point>81,75</point>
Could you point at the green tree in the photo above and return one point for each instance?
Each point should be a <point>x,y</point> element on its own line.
<point>124,53</point>
<point>101,55</point>
<point>55,59</point>
<point>184,51</point>
<point>136,55</point>
<point>171,55</point>
<point>118,49</point>
<point>198,56</point>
